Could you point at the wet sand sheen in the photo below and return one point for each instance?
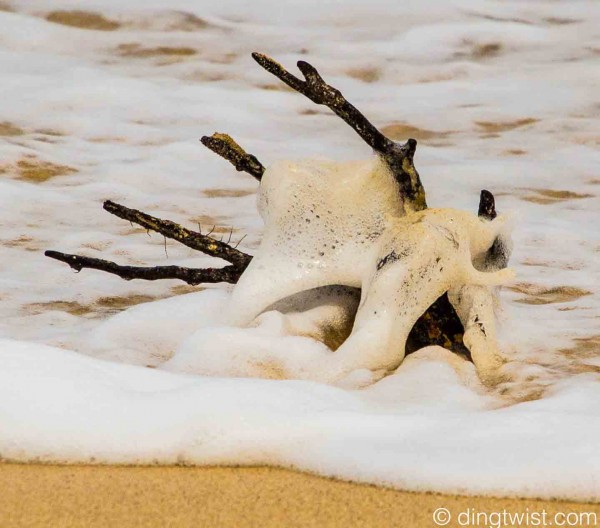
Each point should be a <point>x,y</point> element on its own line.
<point>45,495</point>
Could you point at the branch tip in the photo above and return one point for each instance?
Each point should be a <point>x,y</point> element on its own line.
<point>226,147</point>
<point>487,205</point>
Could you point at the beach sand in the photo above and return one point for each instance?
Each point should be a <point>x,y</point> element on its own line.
<point>107,496</point>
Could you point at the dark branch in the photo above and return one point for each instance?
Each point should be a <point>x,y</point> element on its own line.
<point>226,147</point>
<point>439,325</point>
<point>398,157</point>
<point>487,205</point>
<point>319,92</point>
<point>192,276</point>
<point>192,239</point>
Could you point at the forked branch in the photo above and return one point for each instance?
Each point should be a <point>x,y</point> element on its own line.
<point>319,92</point>
<point>225,146</point>
<point>399,158</point>
<point>204,243</point>
<point>192,276</point>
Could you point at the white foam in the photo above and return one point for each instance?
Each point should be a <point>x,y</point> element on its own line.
<point>420,429</point>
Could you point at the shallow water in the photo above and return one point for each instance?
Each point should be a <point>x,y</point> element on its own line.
<point>110,103</point>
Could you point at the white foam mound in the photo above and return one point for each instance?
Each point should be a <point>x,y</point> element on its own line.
<point>429,426</point>
<point>150,333</point>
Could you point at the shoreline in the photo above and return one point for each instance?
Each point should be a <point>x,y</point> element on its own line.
<point>77,496</point>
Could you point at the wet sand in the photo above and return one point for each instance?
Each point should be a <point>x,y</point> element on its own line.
<point>106,496</point>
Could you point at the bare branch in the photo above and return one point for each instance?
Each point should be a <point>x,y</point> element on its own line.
<point>226,147</point>
<point>318,91</point>
<point>192,276</point>
<point>192,239</point>
<point>398,157</point>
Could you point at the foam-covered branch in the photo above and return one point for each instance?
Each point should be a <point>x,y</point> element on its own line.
<point>225,146</point>
<point>440,324</point>
<point>192,239</point>
<point>398,157</point>
<point>192,276</point>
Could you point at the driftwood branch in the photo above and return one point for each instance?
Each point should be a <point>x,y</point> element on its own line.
<point>398,157</point>
<point>225,146</point>
<point>319,92</point>
<point>438,325</point>
<point>192,276</point>
<point>191,239</point>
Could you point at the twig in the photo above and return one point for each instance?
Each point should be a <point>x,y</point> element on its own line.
<point>189,238</point>
<point>240,241</point>
<point>226,147</point>
<point>192,276</point>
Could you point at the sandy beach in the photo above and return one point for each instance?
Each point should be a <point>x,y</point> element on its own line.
<point>72,496</point>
